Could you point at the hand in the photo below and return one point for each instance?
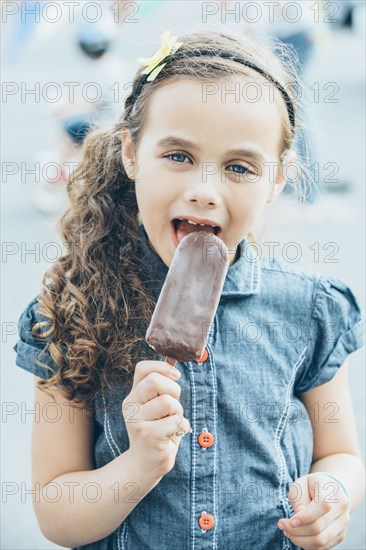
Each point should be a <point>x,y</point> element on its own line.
<point>322,508</point>
<point>152,414</point>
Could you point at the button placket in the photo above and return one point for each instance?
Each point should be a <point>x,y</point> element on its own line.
<point>204,482</point>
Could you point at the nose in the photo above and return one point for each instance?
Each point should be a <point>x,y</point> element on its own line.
<point>204,194</point>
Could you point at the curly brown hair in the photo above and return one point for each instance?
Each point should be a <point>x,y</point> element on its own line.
<point>94,296</point>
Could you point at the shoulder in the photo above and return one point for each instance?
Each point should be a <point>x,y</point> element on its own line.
<point>325,294</point>
<point>30,349</point>
<point>288,279</point>
<point>28,318</point>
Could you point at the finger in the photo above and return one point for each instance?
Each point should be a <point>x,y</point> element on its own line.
<point>182,430</point>
<point>318,536</point>
<point>306,526</point>
<point>327,546</point>
<point>159,407</point>
<point>166,427</point>
<point>314,511</point>
<point>155,384</point>
<point>143,368</point>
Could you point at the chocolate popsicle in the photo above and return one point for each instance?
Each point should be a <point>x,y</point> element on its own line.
<point>189,298</point>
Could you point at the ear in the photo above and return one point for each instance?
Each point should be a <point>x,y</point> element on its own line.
<point>282,171</point>
<point>128,154</point>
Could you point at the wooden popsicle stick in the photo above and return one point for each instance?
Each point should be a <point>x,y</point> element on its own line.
<point>173,363</point>
<point>170,361</point>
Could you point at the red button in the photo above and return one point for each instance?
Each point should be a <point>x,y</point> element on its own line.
<point>206,439</point>
<point>203,357</point>
<point>206,522</point>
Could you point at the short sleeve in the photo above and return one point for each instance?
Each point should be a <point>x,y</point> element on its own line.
<point>30,349</point>
<point>336,330</point>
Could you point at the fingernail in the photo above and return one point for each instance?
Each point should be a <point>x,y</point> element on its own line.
<point>295,523</point>
<point>281,526</point>
<point>285,533</point>
<point>190,430</point>
<point>176,373</point>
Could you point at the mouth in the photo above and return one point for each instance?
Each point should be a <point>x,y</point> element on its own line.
<point>180,227</point>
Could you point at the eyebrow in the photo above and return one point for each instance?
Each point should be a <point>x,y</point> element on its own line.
<point>173,141</point>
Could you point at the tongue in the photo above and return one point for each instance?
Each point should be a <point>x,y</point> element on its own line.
<point>184,228</point>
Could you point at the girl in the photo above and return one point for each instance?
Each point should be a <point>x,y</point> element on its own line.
<point>274,438</point>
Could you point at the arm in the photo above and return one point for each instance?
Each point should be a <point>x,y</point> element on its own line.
<point>336,447</point>
<point>62,468</point>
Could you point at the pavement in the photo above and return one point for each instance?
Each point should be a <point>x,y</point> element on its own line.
<point>330,232</point>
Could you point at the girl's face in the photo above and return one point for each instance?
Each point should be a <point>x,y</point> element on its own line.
<point>205,179</point>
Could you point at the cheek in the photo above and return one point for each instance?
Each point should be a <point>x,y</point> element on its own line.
<point>258,194</point>
<point>249,198</point>
<point>247,207</point>
<point>152,199</point>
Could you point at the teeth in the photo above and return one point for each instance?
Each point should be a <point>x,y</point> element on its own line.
<point>193,223</point>
<point>201,224</point>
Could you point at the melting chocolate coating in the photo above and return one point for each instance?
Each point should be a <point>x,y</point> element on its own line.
<point>188,301</point>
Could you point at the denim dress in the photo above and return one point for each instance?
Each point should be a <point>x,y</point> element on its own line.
<point>278,332</point>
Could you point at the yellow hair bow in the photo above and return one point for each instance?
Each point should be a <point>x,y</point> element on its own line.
<point>169,45</point>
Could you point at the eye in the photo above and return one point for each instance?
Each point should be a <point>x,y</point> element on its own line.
<point>245,169</point>
<point>176,154</point>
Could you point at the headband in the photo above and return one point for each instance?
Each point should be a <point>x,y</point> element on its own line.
<point>168,49</point>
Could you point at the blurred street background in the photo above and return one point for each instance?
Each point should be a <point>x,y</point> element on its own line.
<point>41,58</point>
